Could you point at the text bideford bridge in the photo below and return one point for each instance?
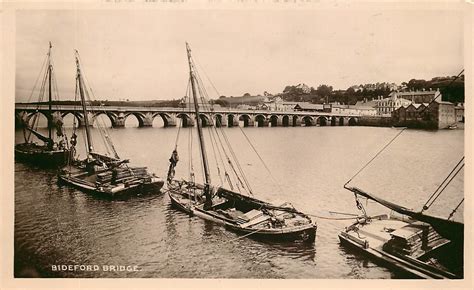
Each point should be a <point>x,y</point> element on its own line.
<point>171,116</point>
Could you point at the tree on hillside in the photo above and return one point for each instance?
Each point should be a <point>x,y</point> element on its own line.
<point>324,90</point>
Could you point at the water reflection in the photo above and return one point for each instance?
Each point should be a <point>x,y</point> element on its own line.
<point>56,224</point>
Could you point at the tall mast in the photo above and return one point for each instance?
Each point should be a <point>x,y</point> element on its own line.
<point>207,176</point>
<point>84,108</point>
<point>50,115</point>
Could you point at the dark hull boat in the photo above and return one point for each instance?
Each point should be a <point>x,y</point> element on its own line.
<point>100,174</point>
<point>243,214</point>
<point>51,154</point>
<point>129,181</point>
<point>419,245</point>
<point>404,245</point>
<point>137,186</point>
<point>40,155</point>
<point>235,211</point>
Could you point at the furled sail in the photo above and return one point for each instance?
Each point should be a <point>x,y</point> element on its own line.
<point>58,124</point>
<point>447,228</point>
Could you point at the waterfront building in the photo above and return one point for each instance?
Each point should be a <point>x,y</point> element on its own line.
<point>459,112</point>
<point>277,104</point>
<point>437,114</point>
<point>367,103</point>
<point>304,88</point>
<point>356,110</point>
<point>385,106</point>
<point>308,107</point>
<point>418,97</point>
<point>414,111</point>
<point>289,106</point>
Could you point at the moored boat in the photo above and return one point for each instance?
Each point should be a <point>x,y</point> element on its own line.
<point>104,174</point>
<point>243,214</point>
<point>234,210</point>
<point>54,151</point>
<point>420,245</point>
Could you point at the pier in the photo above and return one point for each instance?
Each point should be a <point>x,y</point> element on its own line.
<point>170,116</point>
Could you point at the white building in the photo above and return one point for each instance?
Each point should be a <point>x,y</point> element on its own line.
<point>356,110</point>
<point>385,106</point>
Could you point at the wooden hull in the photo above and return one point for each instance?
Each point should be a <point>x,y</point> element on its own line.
<point>40,155</point>
<point>153,185</point>
<point>179,205</point>
<point>304,233</point>
<point>372,245</point>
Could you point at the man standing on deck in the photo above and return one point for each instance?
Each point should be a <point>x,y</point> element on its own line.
<point>173,161</point>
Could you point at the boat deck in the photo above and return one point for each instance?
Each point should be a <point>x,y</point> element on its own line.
<point>404,245</point>
<point>378,233</point>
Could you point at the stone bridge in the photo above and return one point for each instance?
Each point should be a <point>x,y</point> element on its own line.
<point>172,116</point>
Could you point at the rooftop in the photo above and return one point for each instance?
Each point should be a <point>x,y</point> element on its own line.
<point>309,106</point>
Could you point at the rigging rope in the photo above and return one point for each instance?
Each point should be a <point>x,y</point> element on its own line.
<point>376,155</point>
<point>454,211</point>
<point>179,127</point>
<point>360,170</point>
<point>36,117</point>
<point>215,157</point>
<point>434,196</point>
<point>203,95</point>
<point>248,140</point>
<point>452,81</point>
<point>103,131</point>
<point>263,162</point>
<point>27,134</point>
<point>37,78</point>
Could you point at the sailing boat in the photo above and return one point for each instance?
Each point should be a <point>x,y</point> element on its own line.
<point>104,174</point>
<point>234,210</point>
<point>52,153</point>
<point>421,245</point>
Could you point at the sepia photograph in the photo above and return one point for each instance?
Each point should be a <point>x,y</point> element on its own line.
<point>280,142</point>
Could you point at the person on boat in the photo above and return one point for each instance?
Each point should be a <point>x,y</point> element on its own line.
<point>61,145</point>
<point>50,144</point>
<point>114,176</point>
<point>173,161</point>
<point>90,166</point>
<point>73,139</point>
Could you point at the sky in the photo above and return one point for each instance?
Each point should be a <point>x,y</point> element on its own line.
<point>141,55</point>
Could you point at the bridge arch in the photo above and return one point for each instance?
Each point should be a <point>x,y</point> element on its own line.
<point>76,116</point>
<point>333,121</point>
<point>205,120</point>
<point>296,121</point>
<point>261,120</point>
<point>20,119</point>
<point>42,122</point>
<point>167,119</point>
<point>274,120</point>
<point>308,121</point>
<point>230,120</point>
<point>341,121</point>
<point>246,119</point>
<point>186,120</point>
<point>140,118</point>
<point>321,121</point>
<point>97,117</point>
<point>218,120</point>
<point>285,121</point>
<point>352,121</point>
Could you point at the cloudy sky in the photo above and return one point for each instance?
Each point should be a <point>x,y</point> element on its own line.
<point>140,54</point>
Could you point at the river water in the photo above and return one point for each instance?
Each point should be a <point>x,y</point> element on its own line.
<point>57,225</point>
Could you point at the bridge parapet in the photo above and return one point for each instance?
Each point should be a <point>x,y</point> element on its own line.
<point>171,116</point>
